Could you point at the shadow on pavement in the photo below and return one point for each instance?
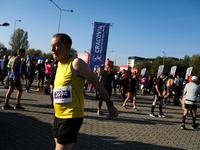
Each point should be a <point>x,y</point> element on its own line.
<point>19,132</point>
<point>92,142</point>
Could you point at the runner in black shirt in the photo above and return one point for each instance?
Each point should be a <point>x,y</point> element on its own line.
<point>108,81</point>
<point>40,69</point>
<point>158,95</point>
<point>53,74</point>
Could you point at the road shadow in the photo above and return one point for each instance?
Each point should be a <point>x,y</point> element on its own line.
<point>91,142</point>
<point>19,132</point>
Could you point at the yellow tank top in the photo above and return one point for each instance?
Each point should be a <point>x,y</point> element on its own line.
<point>68,92</point>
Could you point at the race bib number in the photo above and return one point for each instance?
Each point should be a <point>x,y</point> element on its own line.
<point>62,94</point>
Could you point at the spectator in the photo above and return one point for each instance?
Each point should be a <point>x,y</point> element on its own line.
<point>40,69</point>
<point>191,91</point>
<point>15,82</point>
<point>107,78</point>
<point>9,65</point>
<point>149,84</point>
<point>53,74</point>
<point>158,95</point>
<point>132,91</point>
<point>48,77</point>
<point>4,63</point>
<point>124,80</point>
<point>31,73</point>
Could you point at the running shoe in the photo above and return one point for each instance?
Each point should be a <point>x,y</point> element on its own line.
<point>28,91</point>
<point>194,126</point>
<point>183,126</point>
<point>43,89</point>
<point>152,115</point>
<point>161,115</point>
<point>19,107</point>
<point>135,109</point>
<point>38,89</point>
<point>164,106</point>
<point>108,116</point>
<point>98,113</point>
<point>124,106</point>
<point>7,107</point>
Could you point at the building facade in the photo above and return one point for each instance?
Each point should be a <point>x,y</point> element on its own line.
<point>132,60</point>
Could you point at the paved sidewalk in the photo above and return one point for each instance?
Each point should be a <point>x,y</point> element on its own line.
<point>32,129</point>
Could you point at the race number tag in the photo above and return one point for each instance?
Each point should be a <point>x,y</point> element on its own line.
<point>62,94</point>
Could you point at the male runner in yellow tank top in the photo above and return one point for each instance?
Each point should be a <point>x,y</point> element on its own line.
<point>68,92</point>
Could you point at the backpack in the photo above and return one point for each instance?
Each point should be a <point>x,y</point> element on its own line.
<point>122,80</point>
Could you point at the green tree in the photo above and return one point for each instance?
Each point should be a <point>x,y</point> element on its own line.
<point>181,68</point>
<point>73,52</point>
<point>30,52</point>
<point>186,61</point>
<point>19,40</point>
<point>38,53</point>
<point>195,63</point>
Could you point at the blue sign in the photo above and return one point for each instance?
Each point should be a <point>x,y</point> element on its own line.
<point>37,58</point>
<point>99,45</point>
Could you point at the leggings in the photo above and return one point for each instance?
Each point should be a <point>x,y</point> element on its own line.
<point>30,81</point>
<point>101,99</point>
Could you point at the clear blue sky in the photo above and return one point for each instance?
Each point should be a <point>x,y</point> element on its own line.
<point>143,28</point>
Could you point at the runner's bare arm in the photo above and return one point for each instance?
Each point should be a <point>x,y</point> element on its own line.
<point>80,68</point>
<point>159,94</point>
<point>15,62</point>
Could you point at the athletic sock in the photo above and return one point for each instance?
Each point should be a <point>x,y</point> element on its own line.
<point>160,109</point>
<point>193,120</point>
<point>152,108</point>
<point>183,119</point>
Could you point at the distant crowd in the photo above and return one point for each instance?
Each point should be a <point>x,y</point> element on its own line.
<point>164,88</point>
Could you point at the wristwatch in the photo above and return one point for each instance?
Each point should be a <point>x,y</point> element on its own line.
<point>110,103</point>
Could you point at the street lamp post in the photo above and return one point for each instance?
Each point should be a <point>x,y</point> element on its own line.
<point>5,24</point>
<point>164,57</point>
<point>14,35</point>
<point>60,14</point>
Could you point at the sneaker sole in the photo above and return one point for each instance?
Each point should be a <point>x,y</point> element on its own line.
<point>7,108</point>
<point>182,128</point>
<point>124,107</point>
<point>151,115</point>
<point>18,109</point>
<point>162,116</point>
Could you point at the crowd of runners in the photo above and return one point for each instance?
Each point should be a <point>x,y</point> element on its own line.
<point>68,79</point>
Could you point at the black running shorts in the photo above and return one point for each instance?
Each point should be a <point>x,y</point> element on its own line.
<point>16,83</point>
<point>66,130</point>
<point>40,75</point>
<point>193,107</point>
<point>48,76</point>
<point>156,98</point>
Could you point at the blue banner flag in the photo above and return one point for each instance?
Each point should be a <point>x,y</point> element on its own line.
<point>99,45</point>
<point>37,58</point>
